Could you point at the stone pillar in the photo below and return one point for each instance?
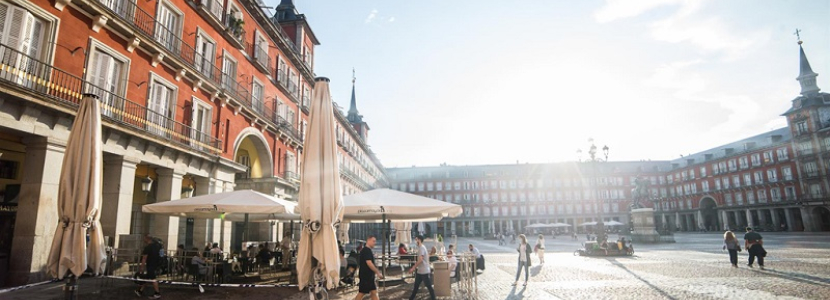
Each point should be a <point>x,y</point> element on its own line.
<point>201,226</point>
<point>452,228</point>
<point>762,217</point>
<point>37,211</point>
<point>701,223</point>
<point>788,215</point>
<point>807,219</point>
<point>776,220</point>
<point>116,209</point>
<point>749,221</point>
<point>169,188</point>
<point>724,220</point>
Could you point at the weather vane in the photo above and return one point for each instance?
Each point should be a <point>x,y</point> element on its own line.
<point>798,35</point>
<point>353,77</point>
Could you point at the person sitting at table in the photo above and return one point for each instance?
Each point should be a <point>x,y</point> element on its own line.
<point>346,269</point>
<point>215,249</point>
<point>236,265</point>
<point>452,259</point>
<point>402,249</point>
<point>433,254</point>
<point>199,263</point>
<point>264,256</point>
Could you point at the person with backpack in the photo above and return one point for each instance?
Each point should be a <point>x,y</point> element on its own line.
<point>150,260</point>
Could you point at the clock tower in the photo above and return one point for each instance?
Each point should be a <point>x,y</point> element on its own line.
<point>809,122</point>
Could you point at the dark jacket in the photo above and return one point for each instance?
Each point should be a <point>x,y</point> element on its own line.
<point>528,250</point>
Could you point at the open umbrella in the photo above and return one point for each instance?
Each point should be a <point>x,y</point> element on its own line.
<point>238,206</point>
<point>537,225</point>
<point>79,198</point>
<point>375,205</point>
<point>559,225</point>
<point>613,223</point>
<point>588,224</point>
<point>320,200</point>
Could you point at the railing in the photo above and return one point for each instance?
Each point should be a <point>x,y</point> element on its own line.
<point>146,24</point>
<point>235,28</point>
<point>22,71</point>
<point>260,54</point>
<point>288,175</point>
<point>235,89</point>
<point>290,129</point>
<point>206,66</point>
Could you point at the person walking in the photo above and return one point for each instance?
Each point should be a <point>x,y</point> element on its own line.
<point>540,249</point>
<point>422,266</point>
<point>730,243</point>
<point>754,244</point>
<point>524,259</point>
<point>150,259</point>
<point>368,271</point>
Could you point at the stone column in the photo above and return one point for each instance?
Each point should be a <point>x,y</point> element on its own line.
<point>201,226</point>
<point>762,218</point>
<point>37,211</point>
<point>807,219</point>
<point>776,220</point>
<point>749,221</point>
<point>169,188</point>
<point>788,216</point>
<point>701,223</point>
<point>116,209</point>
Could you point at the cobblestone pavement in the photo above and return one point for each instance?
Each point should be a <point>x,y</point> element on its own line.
<point>797,267</point>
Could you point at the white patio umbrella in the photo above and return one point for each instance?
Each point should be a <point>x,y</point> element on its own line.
<point>403,232</point>
<point>613,223</point>
<point>588,224</point>
<point>375,205</point>
<point>321,203</point>
<point>559,225</point>
<point>79,198</point>
<point>238,206</point>
<point>537,225</point>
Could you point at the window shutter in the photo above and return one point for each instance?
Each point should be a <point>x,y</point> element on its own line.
<point>14,32</point>
<point>36,38</point>
<point>4,13</point>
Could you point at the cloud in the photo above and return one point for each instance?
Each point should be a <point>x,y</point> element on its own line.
<point>391,19</point>
<point>621,9</point>
<point>371,17</point>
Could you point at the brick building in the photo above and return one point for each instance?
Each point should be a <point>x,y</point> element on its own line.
<point>198,97</point>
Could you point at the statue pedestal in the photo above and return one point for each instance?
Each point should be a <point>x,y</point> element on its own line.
<point>644,228</point>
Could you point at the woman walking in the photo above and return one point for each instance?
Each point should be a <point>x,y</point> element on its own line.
<point>524,259</point>
<point>540,249</point>
<point>730,243</point>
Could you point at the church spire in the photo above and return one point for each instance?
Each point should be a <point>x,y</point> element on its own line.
<point>354,116</point>
<point>806,76</point>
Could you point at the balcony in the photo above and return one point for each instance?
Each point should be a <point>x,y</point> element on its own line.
<point>144,26</point>
<point>19,71</point>
<point>212,11</point>
<point>289,130</point>
<point>234,32</point>
<point>231,87</point>
<point>259,52</point>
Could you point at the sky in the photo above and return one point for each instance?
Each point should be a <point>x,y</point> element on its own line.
<point>531,81</point>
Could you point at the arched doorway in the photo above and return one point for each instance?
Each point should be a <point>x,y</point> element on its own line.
<point>821,216</point>
<point>709,214</point>
<point>251,150</point>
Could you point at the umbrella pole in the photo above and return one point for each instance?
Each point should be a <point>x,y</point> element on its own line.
<point>70,287</point>
<point>222,231</point>
<point>383,249</point>
<point>245,229</point>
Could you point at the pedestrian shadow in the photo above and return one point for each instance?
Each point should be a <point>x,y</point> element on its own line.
<point>514,294</point>
<point>797,277</point>
<point>535,270</point>
<point>652,286</point>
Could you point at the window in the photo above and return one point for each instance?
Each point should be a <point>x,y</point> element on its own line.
<point>787,172</point>
<point>762,196</point>
<point>243,158</point>
<point>747,179</point>
<point>24,31</point>
<point>162,100</point>
<point>801,127</point>
<point>768,157</point>
<point>775,193</point>
<point>702,171</point>
<point>229,73</point>
<point>732,165</point>
<point>107,72</point>
<point>717,184</point>
<point>759,177</point>
<point>439,186</point>
<point>811,169</point>
<point>782,154</point>
<point>692,174</point>
<point>805,148</point>
<point>744,163</point>
<point>168,26</point>
<point>705,185</point>
<point>201,121</point>
<point>261,50</point>
<point>756,159</point>
<point>725,182</point>
<point>256,96</point>
<point>728,198</point>
<point>815,191</point>
<point>750,197</point>
<point>736,180</point>
<point>789,193</point>
<point>205,55</point>
<point>739,198</point>
<point>772,175</point>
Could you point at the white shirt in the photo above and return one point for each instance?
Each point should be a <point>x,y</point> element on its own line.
<point>423,267</point>
<point>523,252</point>
<point>475,251</point>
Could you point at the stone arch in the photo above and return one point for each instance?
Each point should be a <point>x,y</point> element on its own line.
<point>821,218</point>
<point>261,146</point>
<point>708,216</point>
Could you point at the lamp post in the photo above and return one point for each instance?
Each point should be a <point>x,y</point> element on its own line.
<point>594,159</point>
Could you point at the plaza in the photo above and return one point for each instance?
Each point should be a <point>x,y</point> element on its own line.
<point>797,267</point>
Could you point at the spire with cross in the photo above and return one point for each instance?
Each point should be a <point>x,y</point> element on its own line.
<point>798,35</point>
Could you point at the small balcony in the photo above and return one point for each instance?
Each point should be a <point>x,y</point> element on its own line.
<point>234,31</point>
<point>23,72</point>
<point>259,52</point>
<point>212,11</point>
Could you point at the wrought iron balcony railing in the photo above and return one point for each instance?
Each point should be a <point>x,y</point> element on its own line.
<point>18,70</point>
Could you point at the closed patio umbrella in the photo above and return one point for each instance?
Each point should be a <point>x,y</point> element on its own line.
<point>79,198</point>
<point>403,233</point>
<point>320,200</point>
<point>343,233</point>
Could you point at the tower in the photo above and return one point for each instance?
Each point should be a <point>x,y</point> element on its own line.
<point>354,117</point>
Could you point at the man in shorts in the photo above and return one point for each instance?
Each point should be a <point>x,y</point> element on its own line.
<point>150,259</point>
<point>368,271</point>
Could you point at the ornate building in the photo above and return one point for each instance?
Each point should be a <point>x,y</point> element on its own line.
<point>198,97</point>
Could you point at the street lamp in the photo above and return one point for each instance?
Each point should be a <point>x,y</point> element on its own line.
<point>592,153</point>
